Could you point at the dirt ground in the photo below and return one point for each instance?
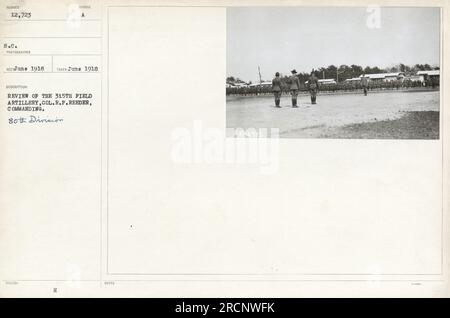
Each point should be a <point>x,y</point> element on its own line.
<point>412,125</point>
<point>384,115</point>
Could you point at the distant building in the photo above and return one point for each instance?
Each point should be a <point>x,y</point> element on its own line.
<point>429,73</point>
<point>353,80</point>
<point>430,77</point>
<point>262,84</point>
<point>394,76</point>
<point>325,81</point>
<point>241,85</point>
<point>385,77</point>
<point>375,77</point>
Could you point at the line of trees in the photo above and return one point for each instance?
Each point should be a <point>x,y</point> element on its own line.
<point>344,72</point>
<point>431,83</point>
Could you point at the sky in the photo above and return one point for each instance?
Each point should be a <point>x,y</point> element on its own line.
<point>283,38</point>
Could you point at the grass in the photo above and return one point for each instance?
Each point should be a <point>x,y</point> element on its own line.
<point>412,125</point>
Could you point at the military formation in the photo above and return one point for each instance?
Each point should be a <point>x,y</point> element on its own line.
<point>312,86</point>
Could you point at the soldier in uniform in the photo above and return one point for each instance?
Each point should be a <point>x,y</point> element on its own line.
<point>276,88</point>
<point>313,86</point>
<point>364,83</point>
<point>294,87</point>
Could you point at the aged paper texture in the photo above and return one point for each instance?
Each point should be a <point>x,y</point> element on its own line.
<point>224,148</point>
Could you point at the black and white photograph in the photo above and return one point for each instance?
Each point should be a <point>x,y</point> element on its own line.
<point>350,72</point>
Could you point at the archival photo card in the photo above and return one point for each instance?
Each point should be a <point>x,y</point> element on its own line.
<point>350,72</point>
<point>251,148</point>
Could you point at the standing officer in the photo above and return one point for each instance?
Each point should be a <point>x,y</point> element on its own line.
<point>364,83</point>
<point>294,87</point>
<point>313,86</point>
<point>276,88</point>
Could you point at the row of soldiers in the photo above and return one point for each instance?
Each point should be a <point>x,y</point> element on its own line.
<point>294,86</point>
<point>338,87</point>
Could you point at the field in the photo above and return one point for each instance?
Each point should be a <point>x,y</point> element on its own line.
<point>380,115</point>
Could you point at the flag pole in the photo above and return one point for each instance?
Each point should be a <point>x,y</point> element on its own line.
<point>259,73</point>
